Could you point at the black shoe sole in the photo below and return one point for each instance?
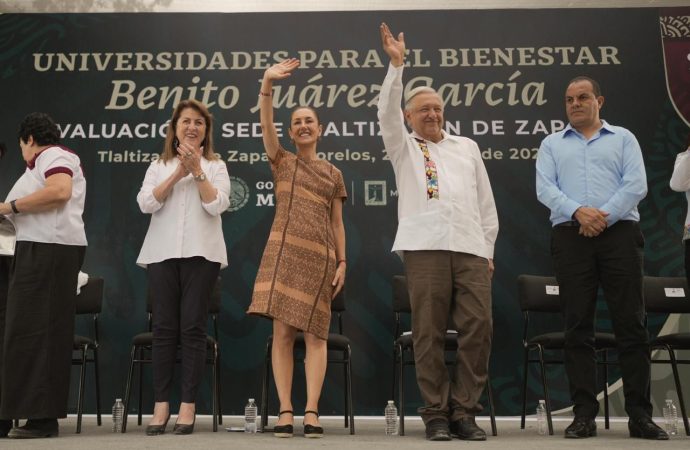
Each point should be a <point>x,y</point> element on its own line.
<point>575,436</point>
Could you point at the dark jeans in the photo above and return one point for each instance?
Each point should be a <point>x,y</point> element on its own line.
<point>180,293</point>
<point>612,260</point>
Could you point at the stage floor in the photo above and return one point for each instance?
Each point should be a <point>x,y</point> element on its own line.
<point>369,436</point>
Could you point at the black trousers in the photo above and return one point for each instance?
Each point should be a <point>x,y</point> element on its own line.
<point>687,260</point>
<point>5,262</point>
<point>39,330</point>
<point>612,260</point>
<point>180,292</point>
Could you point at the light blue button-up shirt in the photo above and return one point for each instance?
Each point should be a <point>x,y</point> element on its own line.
<point>605,172</point>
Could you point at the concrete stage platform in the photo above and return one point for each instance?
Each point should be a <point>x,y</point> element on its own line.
<point>369,436</point>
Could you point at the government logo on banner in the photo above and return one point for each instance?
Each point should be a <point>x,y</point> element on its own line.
<point>675,37</point>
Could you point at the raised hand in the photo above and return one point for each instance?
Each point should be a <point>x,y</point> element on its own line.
<point>281,70</point>
<point>395,48</point>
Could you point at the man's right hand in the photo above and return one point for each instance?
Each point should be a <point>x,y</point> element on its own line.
<point>592,220</point>
<point>395,48</point>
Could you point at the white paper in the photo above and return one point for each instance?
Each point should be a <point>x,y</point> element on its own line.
<point>8,237</point>
<point>551,290</point>
<point>674,292</point>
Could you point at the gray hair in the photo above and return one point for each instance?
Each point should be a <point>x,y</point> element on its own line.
<point>416,91</point>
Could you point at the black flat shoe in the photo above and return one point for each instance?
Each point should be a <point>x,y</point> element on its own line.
<point>34,429</point>
<point>312,431</point>
<point>645,428</point>
<point>181,428</point>
<point>155,430</point>
<point>284,431</point>
<point>582,427</point>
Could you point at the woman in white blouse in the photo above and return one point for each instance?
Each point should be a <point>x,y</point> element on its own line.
<point>680,182</point>
<point>185,191</point>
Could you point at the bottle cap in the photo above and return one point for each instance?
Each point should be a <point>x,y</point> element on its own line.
<point>390,402</point>
<point>118,399</point>
<point>251,399</point>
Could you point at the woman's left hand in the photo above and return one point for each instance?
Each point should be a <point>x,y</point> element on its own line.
<point>338,279</point>
<point>190,157</point>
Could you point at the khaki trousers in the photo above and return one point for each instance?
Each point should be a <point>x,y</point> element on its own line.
<point>450,290</point>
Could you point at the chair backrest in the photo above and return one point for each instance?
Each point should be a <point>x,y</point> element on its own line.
<point>538,293</point>
<point>338,307</point>
<point>338,303</point>
<point>401,296</point>
<point>666,295</point>
<point>90,298</point>
<point>214,306</point>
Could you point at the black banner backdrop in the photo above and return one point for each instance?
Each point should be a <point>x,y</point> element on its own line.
<point>111,81</point>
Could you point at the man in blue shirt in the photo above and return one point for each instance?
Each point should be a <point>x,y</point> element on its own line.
<point>591,176</point>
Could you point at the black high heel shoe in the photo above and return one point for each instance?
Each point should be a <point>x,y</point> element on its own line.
<point>181,428</point>
<point>155,430</point>
<point>312,431</point>
<point>283,431</point>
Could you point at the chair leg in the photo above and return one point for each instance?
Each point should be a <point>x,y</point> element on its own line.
<point>141,385</point>
<point>128,388</point>
<point>346,416</point>
<point>395,373</point>
<point>264,386</point>
<point>524,388</point>
<point>218,395</point>
<point>348,380</point>
<point>82,377</point>
<point>214,392</point>
<point>490,395</point>
<point>606,390</point>
<point>546,389</point>
<point>98,386</point>
<point>401,392</point>
<point>679,389</point>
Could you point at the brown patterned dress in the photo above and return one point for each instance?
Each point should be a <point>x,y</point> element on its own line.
<point>293,284</point>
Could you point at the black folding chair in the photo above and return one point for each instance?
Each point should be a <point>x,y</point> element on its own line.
<point>665,295</point>
<point>141,354</point>
<point>540,295</point>
<point>89,301</point>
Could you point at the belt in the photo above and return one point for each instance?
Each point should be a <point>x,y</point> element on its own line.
<point>569,223</point>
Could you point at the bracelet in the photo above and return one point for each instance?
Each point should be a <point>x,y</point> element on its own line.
<point>341,261</point>
<point>13,204</point>
<point>263,94</point>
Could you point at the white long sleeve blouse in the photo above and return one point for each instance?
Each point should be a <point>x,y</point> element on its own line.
<point>183,226</point>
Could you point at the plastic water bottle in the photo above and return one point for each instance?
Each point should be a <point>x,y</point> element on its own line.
<point>391,413</point>
<point>542,426</point>
<point>250,417</point>
<point>671,418</point>
<point>118,413</point>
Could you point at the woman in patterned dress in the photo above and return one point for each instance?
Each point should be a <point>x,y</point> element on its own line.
<point>303,265</point>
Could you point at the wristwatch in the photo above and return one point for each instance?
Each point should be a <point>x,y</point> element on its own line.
<point>200,177</point>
